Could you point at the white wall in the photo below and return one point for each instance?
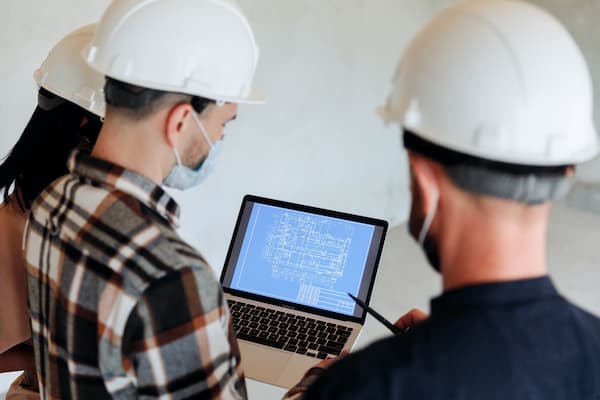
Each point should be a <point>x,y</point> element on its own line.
<point>28,29</point>
<point>325,66</point>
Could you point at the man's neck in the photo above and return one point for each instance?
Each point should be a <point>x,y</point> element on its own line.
<point>480,249</point>
<point>132,147</point>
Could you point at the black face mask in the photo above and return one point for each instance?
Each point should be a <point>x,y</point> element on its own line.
<point>430,245</point>
<point>430,249</point>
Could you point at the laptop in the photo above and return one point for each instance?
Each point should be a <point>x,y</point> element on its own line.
<point>286,277</point>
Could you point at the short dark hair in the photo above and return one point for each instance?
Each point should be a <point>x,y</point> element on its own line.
<point>527,184</point>
<point>40,155</point>
<point>138,102</point>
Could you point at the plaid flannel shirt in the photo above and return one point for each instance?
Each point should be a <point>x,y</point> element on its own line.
<point>120,306</point>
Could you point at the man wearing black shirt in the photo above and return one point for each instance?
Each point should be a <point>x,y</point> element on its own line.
<point>494,121</point>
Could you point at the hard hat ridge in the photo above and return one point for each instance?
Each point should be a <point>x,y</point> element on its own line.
<point>202,48</point>
<point>478,80</point>
<point>65,74</point>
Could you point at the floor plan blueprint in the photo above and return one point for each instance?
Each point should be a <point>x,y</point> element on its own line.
<point>303,258</point>
<point>312,252</point>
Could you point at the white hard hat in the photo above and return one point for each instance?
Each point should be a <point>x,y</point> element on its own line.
<point>202,48</point>
<point>65,74</point>
<point>499,80</point>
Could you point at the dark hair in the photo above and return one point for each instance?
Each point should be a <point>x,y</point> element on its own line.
<point>40,155</point>
<point>137,102</point>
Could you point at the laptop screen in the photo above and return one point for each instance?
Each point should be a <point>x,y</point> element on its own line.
<point>303,255</point>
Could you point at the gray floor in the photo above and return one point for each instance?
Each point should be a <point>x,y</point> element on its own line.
<point>404,280</point>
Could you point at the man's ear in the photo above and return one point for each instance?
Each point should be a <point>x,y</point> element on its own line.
<point>425,180</point>
<point>570,171</point>
<point>175,123</point>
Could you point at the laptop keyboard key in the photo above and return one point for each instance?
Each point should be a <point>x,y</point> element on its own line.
<point>302,343</point>
<point>275,338</point>
<point>322,355</point>
<point>341,332</point>
<point>266,342</point>
<point>291,335</point>
<point>330,350</point>
<point>290,347</point>
<point>335,345</point>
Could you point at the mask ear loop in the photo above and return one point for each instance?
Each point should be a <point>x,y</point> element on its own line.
<point>177,157</point>
<point>431,212</point>
<point>202,129</point>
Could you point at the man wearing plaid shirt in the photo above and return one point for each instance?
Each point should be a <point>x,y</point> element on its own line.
<point>121,307</point>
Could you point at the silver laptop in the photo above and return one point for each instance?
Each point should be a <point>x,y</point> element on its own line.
<point>287,276</point>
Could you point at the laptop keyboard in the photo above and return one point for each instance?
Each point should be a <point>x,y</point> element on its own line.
<point>287,331</point>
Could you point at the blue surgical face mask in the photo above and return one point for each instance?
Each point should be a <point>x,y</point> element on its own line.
<point>182,177</point>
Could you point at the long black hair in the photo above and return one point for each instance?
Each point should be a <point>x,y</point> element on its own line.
<point>40,155</point>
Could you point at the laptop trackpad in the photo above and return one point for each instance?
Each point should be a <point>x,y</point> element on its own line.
<point>263,363</point>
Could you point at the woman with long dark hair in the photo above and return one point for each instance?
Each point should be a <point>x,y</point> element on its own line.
<point>67,117</point>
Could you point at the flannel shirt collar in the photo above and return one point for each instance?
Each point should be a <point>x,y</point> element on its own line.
<point>146,191</point>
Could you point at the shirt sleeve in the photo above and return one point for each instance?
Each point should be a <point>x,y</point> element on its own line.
<point>179,341</point>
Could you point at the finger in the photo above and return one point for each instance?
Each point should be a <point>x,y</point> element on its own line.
<point>411,318</point>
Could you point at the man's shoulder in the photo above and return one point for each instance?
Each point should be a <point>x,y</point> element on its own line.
<point>119,231</point>
<point>587,321</point>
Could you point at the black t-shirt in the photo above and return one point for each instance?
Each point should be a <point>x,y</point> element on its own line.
<point>515,340</point>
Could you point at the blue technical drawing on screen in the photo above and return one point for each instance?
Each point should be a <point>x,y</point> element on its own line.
<point>304,258</point>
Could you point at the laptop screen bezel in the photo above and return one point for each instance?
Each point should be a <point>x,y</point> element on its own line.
<point>314,210</point>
